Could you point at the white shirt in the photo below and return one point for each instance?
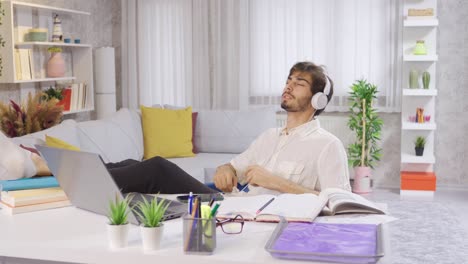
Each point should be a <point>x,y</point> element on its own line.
<point>307,155</point>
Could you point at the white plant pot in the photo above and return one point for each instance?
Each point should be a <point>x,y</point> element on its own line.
<point>362,178</point>
<point>151,237</point>
<point>117,235</point>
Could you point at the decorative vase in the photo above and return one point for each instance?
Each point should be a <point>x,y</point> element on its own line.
<point>117,235</point>
<point>426,78</point>
<point>420,48</point>
<point>362,183</point>
<point>413,79</point>
<point>56,65</point>
<point>151,237</point>
<point>419,151</point>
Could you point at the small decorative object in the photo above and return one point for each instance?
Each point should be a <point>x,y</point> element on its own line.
<point>56,64</point>
<point>413,79</point>
<point>367,125</point>
<point>36,115</point>
<point>117,228</point>
<point>151,214</point>
<point>419,115</point>
<point>420,48</point>
<point>412,119</point>
<point>77,41</point>
<point>419,144</point>
<point>67,40</point>
<point>57,35</point>
<point>427,118</point>
<point>426,78</point>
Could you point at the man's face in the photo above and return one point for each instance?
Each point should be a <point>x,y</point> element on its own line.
<point>296,94</point>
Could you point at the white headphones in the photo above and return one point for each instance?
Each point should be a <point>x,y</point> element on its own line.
<point>320,100</point>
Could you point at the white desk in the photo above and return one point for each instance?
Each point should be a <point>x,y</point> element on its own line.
<point>77,236</point>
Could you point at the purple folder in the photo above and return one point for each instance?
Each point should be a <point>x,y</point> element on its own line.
<point>345,243</point>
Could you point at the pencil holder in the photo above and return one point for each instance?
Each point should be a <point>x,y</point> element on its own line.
<point>199,235</point>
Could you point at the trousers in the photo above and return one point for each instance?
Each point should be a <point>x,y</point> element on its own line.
<point>154,175</point>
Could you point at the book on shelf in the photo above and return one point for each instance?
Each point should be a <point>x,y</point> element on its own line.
<point>25,64</point>
<point>66,99</point>
<point>33,196</point>
<point>11,210</point>
<point>29,183</point>
<point>296,207</point>
<point>17,65</point>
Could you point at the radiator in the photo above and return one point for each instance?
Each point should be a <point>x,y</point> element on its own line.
<point>337,125</point>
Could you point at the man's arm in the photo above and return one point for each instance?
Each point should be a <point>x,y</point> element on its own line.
<point>258,176</point>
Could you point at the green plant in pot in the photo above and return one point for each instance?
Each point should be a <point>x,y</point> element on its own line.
<point>419,144</point>
<point>52,93</point>
<point>151,215</point>
<point>118,226</point>
<point>364,121</point>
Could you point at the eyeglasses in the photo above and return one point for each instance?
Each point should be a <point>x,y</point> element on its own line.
<point>231,225</point>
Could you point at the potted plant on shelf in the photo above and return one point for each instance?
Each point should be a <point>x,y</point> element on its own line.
<point>366,124</point>
<point>419,144</point>
<point>117,228</point>
<point>56,64</point>
<point>151,215</point>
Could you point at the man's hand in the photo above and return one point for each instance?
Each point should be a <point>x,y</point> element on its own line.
<point>225,178</point>
<point>258,176</point>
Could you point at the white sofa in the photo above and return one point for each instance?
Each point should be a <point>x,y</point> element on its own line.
<point>219,136</point>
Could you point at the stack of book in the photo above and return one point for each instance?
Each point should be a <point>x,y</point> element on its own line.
<point>28,195</point>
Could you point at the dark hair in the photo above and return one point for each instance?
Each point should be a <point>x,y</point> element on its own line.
<point>317,73</point>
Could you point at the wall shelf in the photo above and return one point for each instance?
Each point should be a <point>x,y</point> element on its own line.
<point>418,126</point>
<point>428,58</point>
<point>58,44</point>
<point>46,80</point>
<point>411,158</point>
<point>419,92</point>
<point>423,22</point>
<point>51,8</point>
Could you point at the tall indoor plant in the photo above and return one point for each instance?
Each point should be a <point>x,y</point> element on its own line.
<point>365,122</point>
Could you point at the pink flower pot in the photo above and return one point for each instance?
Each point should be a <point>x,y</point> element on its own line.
<point>362,176</point>
<point>56,65</point>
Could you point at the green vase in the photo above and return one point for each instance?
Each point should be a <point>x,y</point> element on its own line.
<point>420,48</point>
<point>413,79</point>
<point>426,79</point>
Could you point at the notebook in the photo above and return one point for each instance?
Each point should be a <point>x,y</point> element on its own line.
<point>89,185</point>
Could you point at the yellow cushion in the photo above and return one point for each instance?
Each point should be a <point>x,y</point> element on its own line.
<point>167,133</point>
<point>58,143</point>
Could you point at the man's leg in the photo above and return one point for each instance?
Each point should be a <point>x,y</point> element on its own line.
<point>156,175</point>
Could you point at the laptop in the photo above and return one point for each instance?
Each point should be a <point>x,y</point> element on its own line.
<point>88,184</point>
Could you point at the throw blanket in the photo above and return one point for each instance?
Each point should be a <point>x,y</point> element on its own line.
<point>15,162</point>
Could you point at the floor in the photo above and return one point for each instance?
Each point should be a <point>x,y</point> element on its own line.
<point>427,231</point>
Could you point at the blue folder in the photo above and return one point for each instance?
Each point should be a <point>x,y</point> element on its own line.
<point>29,183</point>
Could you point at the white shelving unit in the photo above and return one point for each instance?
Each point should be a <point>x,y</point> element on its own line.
<point>421,28</point>
<point>20,16</point>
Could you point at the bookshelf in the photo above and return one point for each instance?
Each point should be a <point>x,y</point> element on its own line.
<point>418,169</point>
<point>19,18</point>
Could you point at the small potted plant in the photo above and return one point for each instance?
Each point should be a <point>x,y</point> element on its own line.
<point>151,215</point>
<point>56,63</point>
<point>117,228</point>
<point>419,145</point>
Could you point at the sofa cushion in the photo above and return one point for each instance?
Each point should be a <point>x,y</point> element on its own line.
<point>202,163</point>
<point>66,131</point>
<point>58,143</point>
<point>231,131</point>
<point>115,138</point>
<point>167,133</point>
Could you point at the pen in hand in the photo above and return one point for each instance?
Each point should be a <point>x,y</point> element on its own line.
<point>265,205</point>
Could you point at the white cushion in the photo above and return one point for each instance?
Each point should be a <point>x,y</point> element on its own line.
<point>115,138</point>
<point>231,131</point>
<point>196,166</point>
<point>65,131</point>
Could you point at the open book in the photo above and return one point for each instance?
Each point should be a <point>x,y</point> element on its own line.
<point>296,207</point>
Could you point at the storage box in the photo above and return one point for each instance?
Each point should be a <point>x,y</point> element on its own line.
<point>37,34</point>
<point>421,181</point>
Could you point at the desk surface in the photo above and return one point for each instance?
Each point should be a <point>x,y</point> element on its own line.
<point>73,235</point>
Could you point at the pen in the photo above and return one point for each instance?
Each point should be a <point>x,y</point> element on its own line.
<point>190,201</point>
<point>214,210</point>
<point>265,205</point>
<point>244,188</point>
<point>211,202</point>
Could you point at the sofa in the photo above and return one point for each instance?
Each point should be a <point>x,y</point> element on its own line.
<point>218,137</point>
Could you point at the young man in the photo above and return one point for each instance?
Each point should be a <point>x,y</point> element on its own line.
<point>301,157</point>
